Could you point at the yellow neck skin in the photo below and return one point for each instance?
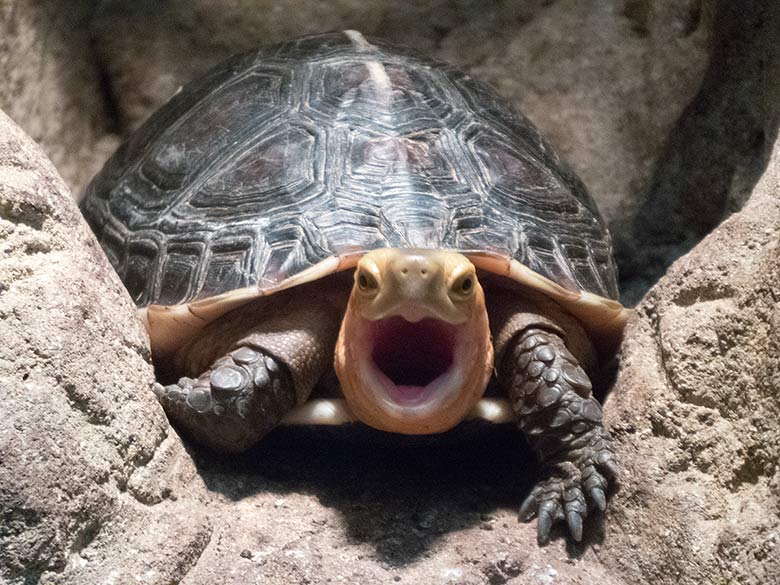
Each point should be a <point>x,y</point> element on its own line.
<point>434,300</point>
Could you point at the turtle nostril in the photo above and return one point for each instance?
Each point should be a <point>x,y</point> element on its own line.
<point>415,268</point>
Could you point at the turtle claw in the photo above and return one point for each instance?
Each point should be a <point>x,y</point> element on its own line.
<point>549,511</point>
<point>528,508</point>
<point>599,498</point>
<point>575,509</point>
<point>610,467</point>
<point>574,521</point>
<point>577,480</point>
<point>561,497</point>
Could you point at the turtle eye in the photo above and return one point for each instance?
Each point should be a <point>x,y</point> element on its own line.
<point>366,282</point>
<point>463,287</point>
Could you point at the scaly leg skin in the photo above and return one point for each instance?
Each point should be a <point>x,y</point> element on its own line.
<point>233,404</point>
<point>551,394</point>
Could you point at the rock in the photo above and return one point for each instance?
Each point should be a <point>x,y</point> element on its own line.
<point>695,412</point>
<point>51,84</point>
<point>147,547</point>
<point>77,419</point>
<point>716,151</point>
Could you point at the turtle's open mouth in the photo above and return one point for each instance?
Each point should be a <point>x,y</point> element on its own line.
<point>413,354</point>
<point>412,358</point>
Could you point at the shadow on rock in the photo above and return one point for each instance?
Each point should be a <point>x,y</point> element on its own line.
<point>400,493</point>
<point>717,151</point>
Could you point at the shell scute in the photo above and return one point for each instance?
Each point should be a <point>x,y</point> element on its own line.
<point>143,259</point>
<point>229,263</point>
<point>260,177</point>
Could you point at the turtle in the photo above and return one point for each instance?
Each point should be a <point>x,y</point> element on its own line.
<point>334,207</point>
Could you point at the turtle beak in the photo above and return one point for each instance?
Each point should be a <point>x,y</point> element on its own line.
<point>413,356</point>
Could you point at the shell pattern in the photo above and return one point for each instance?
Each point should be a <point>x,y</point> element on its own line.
<point>330,145</point>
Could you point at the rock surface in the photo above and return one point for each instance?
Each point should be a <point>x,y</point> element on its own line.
<point>51,83</point>
<point>76,422</point>
<point>695,411</point>
<point>716,151</point>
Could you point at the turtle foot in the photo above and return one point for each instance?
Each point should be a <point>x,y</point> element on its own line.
<point>232,405</point>
<point>574,486</point>
<point>564,425</point>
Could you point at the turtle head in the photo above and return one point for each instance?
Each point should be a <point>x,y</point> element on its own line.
<point>414,354</point>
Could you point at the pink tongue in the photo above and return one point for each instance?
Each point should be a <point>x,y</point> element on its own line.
<point>408,392</point>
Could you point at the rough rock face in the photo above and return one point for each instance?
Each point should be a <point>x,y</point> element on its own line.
<point>76,422</point>
<point>51,83</point>
<point>716,151</point>
<point>696,410</point>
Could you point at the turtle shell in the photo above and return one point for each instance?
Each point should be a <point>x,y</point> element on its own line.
<point>285,164</point>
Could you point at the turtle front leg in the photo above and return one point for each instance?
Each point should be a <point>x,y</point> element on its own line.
<point>252,366</point>
<point>234,403</point>
<point>551,395</point>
